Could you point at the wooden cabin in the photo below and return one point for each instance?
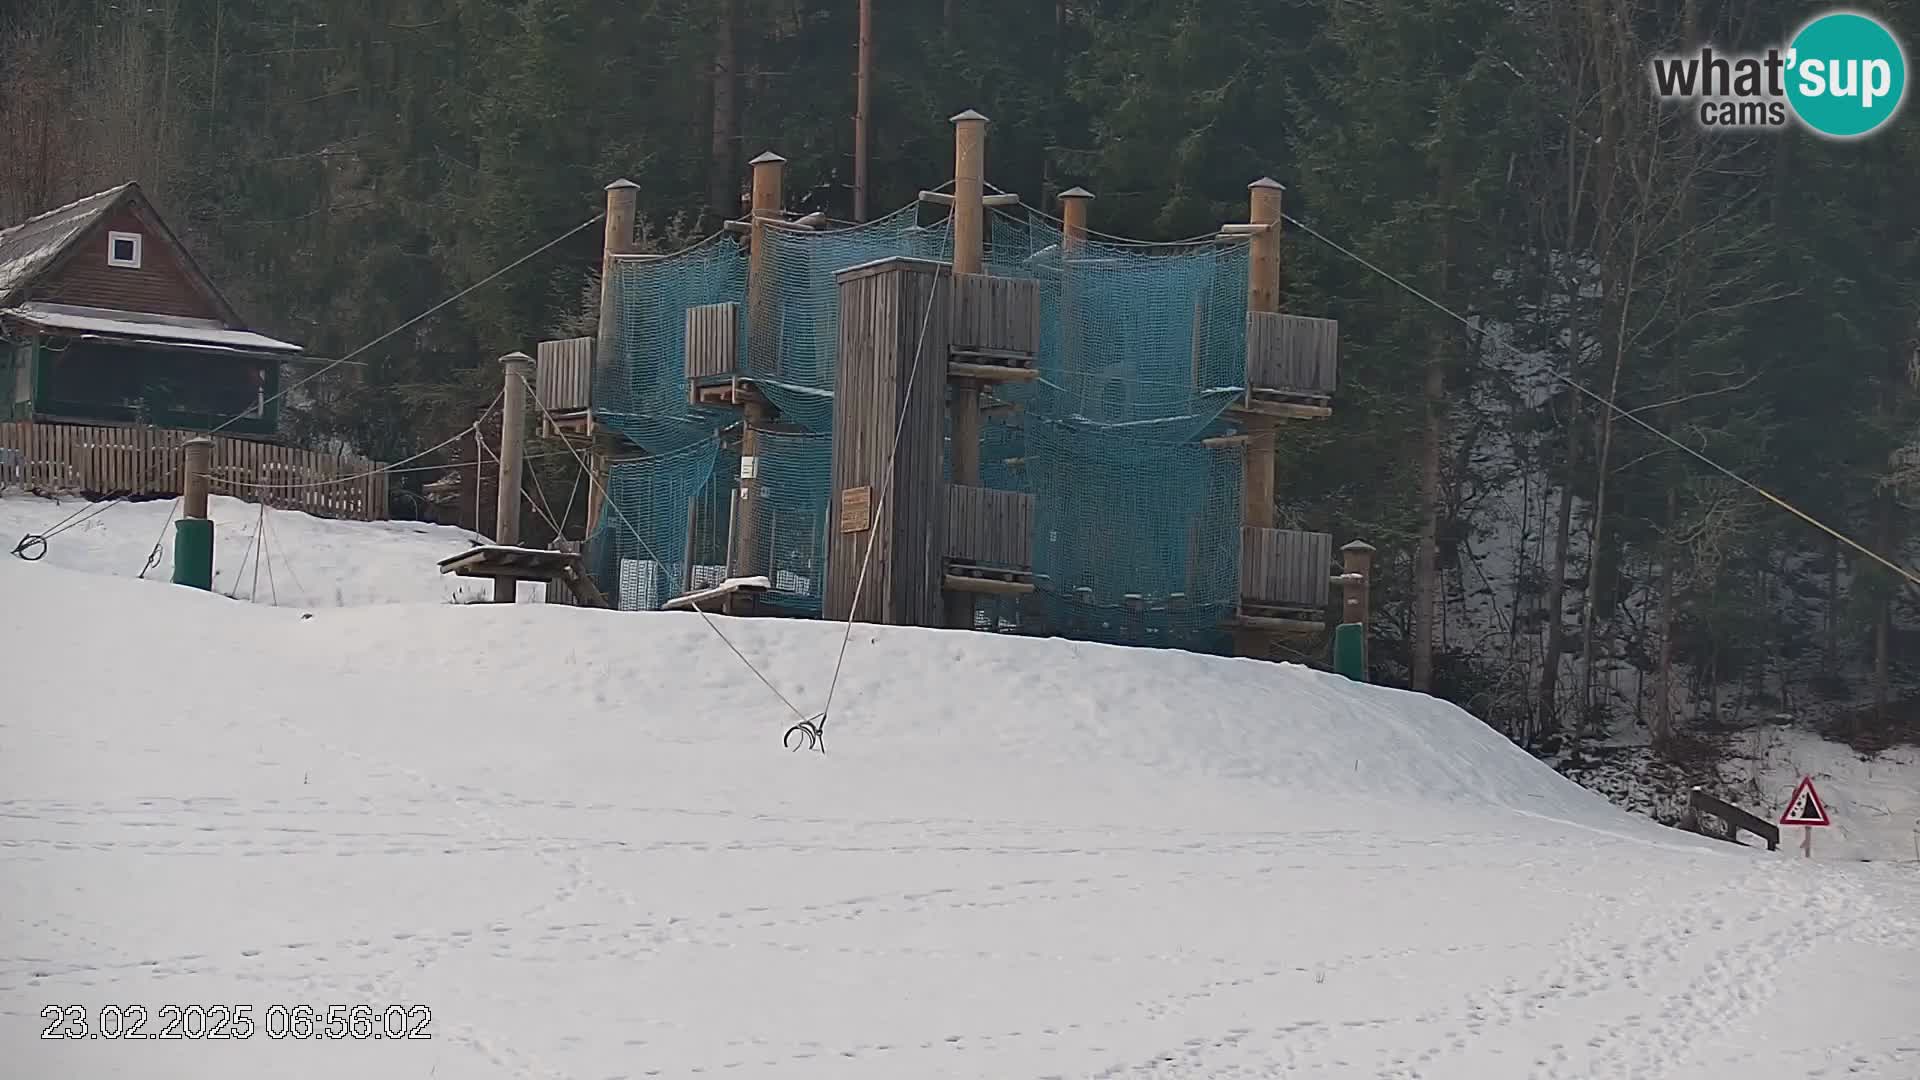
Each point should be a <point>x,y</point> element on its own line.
<point>115,346</point>
<point>112,322</point>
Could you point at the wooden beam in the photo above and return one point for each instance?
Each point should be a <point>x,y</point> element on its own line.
<point>941,198</point>
<point>1271,625</point>
<point>990,372</point>
<point>956,583</point>
<point>1285,410</point>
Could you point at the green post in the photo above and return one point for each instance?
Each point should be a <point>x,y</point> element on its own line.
<point>193,553</point>
<point>1350,651</point>
<point>193,533</point>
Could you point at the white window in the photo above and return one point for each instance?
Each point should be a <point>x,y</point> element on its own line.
<point>123,249</point>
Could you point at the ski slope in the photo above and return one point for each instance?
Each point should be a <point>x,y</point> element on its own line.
<point>573,836</point>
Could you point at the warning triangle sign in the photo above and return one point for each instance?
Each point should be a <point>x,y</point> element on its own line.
<point>1805,807</point>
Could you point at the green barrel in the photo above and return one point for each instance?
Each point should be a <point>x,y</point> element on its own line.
<point>193,552</point>
<point>1350,651</point>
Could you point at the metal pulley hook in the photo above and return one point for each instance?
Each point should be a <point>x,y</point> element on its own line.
<point>811,733</point>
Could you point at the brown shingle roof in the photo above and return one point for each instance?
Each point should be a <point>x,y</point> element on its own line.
<point>31,246</point>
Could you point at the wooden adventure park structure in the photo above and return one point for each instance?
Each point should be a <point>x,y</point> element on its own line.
<point>993,420</point>
<point>116,348</point>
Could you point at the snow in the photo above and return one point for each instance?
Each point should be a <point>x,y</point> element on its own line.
<point>311,562</point>
<point>574,835</point>
<point>90,320</point>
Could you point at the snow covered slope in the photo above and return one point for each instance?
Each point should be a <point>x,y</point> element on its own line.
<point>311,562</point>
<point>574,837</point>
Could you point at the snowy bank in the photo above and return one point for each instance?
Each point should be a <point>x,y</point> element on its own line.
<point>574,837</point>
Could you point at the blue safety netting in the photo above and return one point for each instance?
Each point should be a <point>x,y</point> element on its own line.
<point>790,512</point>
<point>641,547</point>
<point>1141,352</point>
<point>1135,540</point>
<point>642,392</point>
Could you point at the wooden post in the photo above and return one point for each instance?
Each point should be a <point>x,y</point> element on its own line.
<point>623,197</point>
<point>862,110</point>
<point>513,432</point>
<point>769,173</point>
<point>1263,295</point>
<point>1073,240</point>
<point>198,476</point>
<point>1357,559</point>
<point>969,222</point>
<point>969,178</point>
<point>746,556</point>
<point>193,533</point>
<point>966,432</point>
<point>1073,215</point>
<point>1264,278</point>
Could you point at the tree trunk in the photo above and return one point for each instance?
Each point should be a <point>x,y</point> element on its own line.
<point>1426,570</point>
<point>1833,607</point>
<point>1557,581</point>
<point>1663,683</point>
<point>1883,612</point>
<point>723,186</point>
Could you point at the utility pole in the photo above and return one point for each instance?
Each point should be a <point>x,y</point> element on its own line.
<point>862,110</point>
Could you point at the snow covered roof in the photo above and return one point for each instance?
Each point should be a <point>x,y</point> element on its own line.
<point>141,326</point>
<point>35,246</point>
<point>30,247</point>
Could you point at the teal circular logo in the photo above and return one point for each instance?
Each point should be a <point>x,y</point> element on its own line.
<point>1846,74</point>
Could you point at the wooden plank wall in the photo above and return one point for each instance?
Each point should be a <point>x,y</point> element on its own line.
<point>147,461</point>
<point>713,340</point>
<point>1285,568</point>
<point>986,527</point>
<point>563,375</point>
<point>883,308</point>
<point>1292,353</point>
<point>995,315</point>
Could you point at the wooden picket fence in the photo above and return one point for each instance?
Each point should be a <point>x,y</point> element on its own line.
<point>76,458</point>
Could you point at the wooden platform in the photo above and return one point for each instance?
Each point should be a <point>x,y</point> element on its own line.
<point>1282,404</point>
<point>571,426</point>
<point>526,564</point>
<point>724,597</point>
<point>727,390</point>
<point>1002,581</point>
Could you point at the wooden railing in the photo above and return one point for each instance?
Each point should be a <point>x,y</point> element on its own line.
<point>989,528</point>
<point>713,340</point>
<point>147,461</point>
<point>1284,568</point>
<point>1292,354</point>
<point>563,375</point>
<point>995,317</point>
<point>1736,819</point>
